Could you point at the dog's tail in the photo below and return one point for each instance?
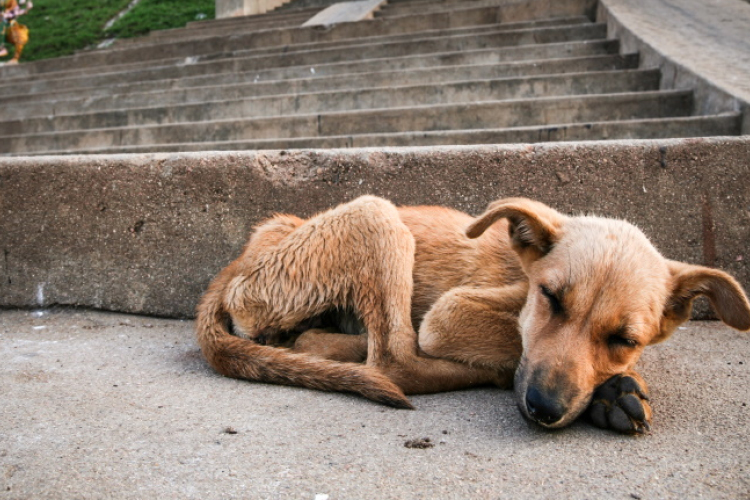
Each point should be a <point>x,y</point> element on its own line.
<point>244,359</point>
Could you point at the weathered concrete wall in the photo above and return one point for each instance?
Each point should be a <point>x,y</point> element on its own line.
<point>145,233</point>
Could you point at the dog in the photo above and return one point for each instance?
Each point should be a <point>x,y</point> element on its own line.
<point>383,301</point>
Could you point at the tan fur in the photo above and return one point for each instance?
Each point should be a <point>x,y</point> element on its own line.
<point>448,302</point>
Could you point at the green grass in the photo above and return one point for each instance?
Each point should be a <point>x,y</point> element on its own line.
<point>161,14</point>
<point>56,28</point>
<point>61,27</point>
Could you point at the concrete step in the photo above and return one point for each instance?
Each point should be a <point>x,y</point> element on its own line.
<point>171,35</point>
<point>656,128</point>
<point>269,21</point>
<point>321,53</point>
<point>264,68</point>
<point>392,9</point>
<point>438,41</point>
<point>346,100</point>
<point>231,22</point>
<point>429,34</point>
<point>223,27</point>
<point>474,116</point>
<point>241,25</point>
<point>454,4</point>
<point>62,78</point>
<point>485,28</point>
<point>186,91</point>
<point>727,124</point>
<point>533,9</point>
<point>295,5</point>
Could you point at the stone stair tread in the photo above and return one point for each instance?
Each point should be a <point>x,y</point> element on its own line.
<point>422,72</point>
<point>159,36</point>
<point>536,9</point>
<point>484,114</point>
<point>265,63</point>
<point>396,110</point>
<point>401,9</point>
<point>432,36</point>
<point>178,91</point>
<point>728,124</point>
<point>544,34</point>
<point>567,20</point>
<point>381,97</point>
<point>274,14</point>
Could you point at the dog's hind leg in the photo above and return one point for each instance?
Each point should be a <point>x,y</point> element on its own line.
<point>379,266</point>
<point>356,257</point>
<point>280,282</point>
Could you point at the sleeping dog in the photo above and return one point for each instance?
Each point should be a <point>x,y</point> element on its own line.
<point>384,301</point>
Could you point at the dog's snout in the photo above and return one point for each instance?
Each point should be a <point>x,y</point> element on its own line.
<point>543,408</point>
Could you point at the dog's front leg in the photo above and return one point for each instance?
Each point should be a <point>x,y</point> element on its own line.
<point>477,327</point>
<point>622,404</point>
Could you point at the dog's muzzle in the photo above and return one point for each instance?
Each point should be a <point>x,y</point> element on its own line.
<point>543,408</point>
<point>548,400</point>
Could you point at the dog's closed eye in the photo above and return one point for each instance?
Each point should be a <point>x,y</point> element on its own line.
<point>619,340</point>
<point>555,303</point>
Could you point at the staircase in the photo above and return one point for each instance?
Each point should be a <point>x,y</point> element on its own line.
<point>423,72</point>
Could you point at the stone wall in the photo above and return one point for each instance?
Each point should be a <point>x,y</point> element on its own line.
<point>146,233</point>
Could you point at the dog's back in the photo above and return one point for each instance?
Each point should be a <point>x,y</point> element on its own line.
<point>445,258</point>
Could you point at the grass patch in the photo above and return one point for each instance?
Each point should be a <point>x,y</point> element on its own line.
<point>151,15</point>
<point>61,27</point>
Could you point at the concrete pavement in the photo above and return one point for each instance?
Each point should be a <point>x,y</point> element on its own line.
<point>101,405</point>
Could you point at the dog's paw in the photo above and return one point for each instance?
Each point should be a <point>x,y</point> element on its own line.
<point>621,404</point>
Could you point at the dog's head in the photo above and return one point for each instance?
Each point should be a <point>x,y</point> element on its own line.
<point>599,293</point>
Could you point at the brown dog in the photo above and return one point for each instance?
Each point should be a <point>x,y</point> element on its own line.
<point>562,306</point>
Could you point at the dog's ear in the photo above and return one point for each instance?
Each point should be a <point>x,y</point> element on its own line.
<point>724,293</point>
<point>533,226</point>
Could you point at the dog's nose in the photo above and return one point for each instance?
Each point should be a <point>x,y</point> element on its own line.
<point>543,408</point>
